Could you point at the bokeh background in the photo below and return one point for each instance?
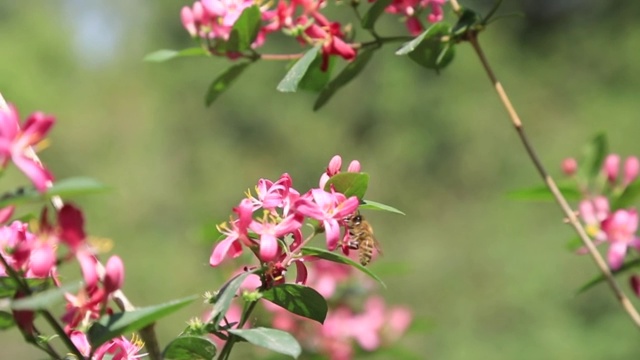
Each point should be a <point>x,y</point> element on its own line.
<point>489,276</point>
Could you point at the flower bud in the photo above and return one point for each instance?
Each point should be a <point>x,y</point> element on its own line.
<point>631,169</point>
<point>334,165</point>
<point>569,166</point>
<point>41,260</point>
<point>354,166</point>
<point>114,275</point>
<point>635,284</point>
<point>611,167</point>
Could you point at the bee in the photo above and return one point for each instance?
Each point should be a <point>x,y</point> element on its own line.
<point>361,237</point>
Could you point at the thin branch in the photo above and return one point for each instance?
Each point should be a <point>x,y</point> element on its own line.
<point>551,184</point>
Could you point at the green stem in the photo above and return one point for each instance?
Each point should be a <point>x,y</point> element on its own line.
<point>226,349</point>
<point>46,314</point>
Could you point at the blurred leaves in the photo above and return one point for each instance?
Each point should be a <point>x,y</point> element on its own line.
<point>190,347</point>
<point>165,55</point>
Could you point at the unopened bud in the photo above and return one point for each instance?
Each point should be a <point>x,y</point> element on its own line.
<point>631,169</point>
<point>611,167</point>
<point>114,275</point>
<point>569,166</point>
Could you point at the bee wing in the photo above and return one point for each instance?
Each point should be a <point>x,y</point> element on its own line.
<point>376,244</point>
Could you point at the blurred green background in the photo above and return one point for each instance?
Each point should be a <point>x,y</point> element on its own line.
<point>490,274</point>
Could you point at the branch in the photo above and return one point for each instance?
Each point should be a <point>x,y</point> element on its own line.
<point>551,184</point>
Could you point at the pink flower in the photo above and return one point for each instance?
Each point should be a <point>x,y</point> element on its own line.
<point>569,166</point>
<point>231,246</point>
<point>275,195</point>
<point>329,35</point>
<point>620,228</point>
<point>611,167</point>
<point>330,208</point>
<point>270,229</point>
<point>593,212</point>
<point>631,169</point>
<point>16,143</point>
<point>85,305</point>
<point>120,348</point>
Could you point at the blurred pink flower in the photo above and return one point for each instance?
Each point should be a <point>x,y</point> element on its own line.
<point>620,228</point>
<point>16,141</point>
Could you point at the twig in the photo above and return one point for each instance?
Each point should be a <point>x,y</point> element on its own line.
<point>551,184</point>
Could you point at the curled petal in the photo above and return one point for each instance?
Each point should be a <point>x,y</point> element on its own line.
<point>228,247</point>
<point>5,213</point>
<point>88,266</point>
<point>301,272</point>
<point>332,230</point>
<point>39,176</point>
<point>188,20</point>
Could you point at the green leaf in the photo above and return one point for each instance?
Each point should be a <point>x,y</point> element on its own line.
<point>466,21</point>
<point>593,155</point>
<point>349,183</point>
<point>45,299</point>
<point>298,71</point>
<point>190,347</point>
<point>373,205</point>
<point>226,294</point>
<point>432,52</point>
<point>574,244</point>
<point>410,46</point>
<point>76,186</point>
<point>331,256</point>
<point>6,320</point>
<point>111,326</point>
<point>315,79</point>
<point>346,75</point>
<point>244,30</point>
<point>369,19</point>
<point>8,286</point>
<point>272,339</point>
<point>601,278</point>
<point>222,82</point>
<point>164,55</point>
<point>542,193</point>
<point>628,197</point>
<point>298,299</point>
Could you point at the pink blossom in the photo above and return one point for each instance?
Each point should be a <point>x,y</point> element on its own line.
<point>275,195</point>
<point>593,212</point>
<point>620,228</point>
<point>120,348</point>
<point>330,208</point>
<point>569,166</point>
<point>330,37</point>
<point>231,246</point>
<point>411,8</point>
<point>16,143</point>
<point>270,229</point>
<point>611,167</point>
<point>631,170</point>
<point>85,305</point>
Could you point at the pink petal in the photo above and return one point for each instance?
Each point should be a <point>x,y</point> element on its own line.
<point>228,247</point>
<point>41,260</point>
<point>301,272</point>
<point>616,254</point>
<point>88,266</point>
<point>332,231</point>
<point>40,176</point>
<point>114,274</point>
<point>268,247</point>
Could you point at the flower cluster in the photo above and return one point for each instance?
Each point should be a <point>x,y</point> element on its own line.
<point>212,21</point>
<point>35,252</point>
<point>270,223</point>
<point>617,227</point>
